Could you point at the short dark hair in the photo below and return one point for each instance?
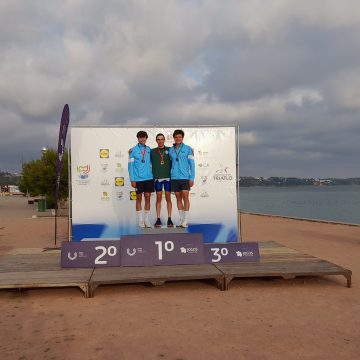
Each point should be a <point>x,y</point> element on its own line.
<point>160,134</point>
<point>141,134</point>
<point>178,132</point>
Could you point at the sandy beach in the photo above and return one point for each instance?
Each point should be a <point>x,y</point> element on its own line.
<point>303,318</point>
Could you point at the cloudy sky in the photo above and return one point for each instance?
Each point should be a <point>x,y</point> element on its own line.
<point>287,72</point>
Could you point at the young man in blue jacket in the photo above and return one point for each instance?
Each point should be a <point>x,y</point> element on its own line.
<point>141,176</point>
<point>182,174</point>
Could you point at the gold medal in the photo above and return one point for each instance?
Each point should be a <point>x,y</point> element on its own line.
<point>162,162</point>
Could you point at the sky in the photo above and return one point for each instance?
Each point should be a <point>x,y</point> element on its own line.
<point>287,72</point>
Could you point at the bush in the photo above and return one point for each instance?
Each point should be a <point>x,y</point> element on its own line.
<point>39,177</point>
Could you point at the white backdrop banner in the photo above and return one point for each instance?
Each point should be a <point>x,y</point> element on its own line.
<point>103,205</point>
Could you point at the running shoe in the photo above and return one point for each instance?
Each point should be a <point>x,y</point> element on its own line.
<point>141,224</point>
<point>158,223</point>
<point>147,224</point>
<point>184,224</point>
<point>170,223</point>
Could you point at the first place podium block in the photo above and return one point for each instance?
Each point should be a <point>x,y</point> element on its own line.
<point>162,249</point>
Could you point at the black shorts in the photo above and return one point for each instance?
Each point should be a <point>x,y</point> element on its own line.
<point>179,185</point>
<point>146,186</point>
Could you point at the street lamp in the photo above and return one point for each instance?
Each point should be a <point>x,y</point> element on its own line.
<point>44,149</point>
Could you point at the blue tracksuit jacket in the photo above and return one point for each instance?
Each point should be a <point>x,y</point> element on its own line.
<point>139,171</point>
<point>184,168</point>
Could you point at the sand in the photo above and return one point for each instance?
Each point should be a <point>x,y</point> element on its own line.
<point>303,318</point>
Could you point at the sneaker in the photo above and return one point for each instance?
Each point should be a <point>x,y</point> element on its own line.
<point>184,224</point>
<point>170,223</point>
<point>141,224</point>
<point>147,224</point>
<point>158,223</point>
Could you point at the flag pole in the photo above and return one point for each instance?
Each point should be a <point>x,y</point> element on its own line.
<point>64,123</point>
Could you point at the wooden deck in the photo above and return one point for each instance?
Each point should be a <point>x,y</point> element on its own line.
<point>43,270</point>
<point>156,275</point>
<point>278,260</point>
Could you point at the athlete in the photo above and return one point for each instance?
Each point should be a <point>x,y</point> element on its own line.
<point>182,174</point>
<point>141,177</point>
<point>161,166</point>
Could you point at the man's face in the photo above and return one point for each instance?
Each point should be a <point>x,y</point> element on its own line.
<point>160,141</point>
<point>178,139</point>
<point>142,140</point>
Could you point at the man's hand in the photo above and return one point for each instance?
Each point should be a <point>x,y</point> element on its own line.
<point>133,184</point>
<point>191,183</point>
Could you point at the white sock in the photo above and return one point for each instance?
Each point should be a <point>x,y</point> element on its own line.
<point>140,215</point>
<point>186,215</point>
<point>181,214</point>
<point>147,215</point>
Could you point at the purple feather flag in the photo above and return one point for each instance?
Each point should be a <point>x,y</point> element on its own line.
<point>65,117</point>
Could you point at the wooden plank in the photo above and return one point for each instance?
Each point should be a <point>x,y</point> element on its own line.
<point>30,262</point>
<point>156,275</point>
<point>274,269</point>
<point>47,279</point>
<point>40,271</point>
<point>278,260</point>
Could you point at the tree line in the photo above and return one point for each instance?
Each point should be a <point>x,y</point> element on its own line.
<point>39,177</point>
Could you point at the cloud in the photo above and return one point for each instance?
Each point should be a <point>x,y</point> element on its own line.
<point>247,138</point>
<point>286,72</point>
<point>206,108</point>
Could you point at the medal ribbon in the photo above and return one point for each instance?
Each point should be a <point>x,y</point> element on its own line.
<point>143,153</point>
<point>177,152</point>
<point>162,162</point>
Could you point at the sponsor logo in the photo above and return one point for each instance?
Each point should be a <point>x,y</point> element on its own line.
<point>131,252</point>
<point>169,137</point>
<point>119,181</point>
<point>72,257</point>
<point>248,253</point>
<point>75,255</point>
<point>203,165</point>
<point>119,154</point>
<point>204,179</point>
<point>119,167</point>
<point>105,182</point>
<point>222,174</point>
<point>223,177</point>
<point>104,153</point>
<point>119,195</point>
<point>104,167</point>
<point>202,153</point>
<point>132,195</point>
<point>189,250</point>
<point>222,169</point>
<point>204,194</point>
<point>245,253</point>
<point>105,196</point>
<point>134,251</point>
<point>83,172</point>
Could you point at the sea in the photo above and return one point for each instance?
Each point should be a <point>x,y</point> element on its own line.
<point>339,203</point>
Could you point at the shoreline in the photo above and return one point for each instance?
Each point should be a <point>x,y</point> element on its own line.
<point>330,222</point>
